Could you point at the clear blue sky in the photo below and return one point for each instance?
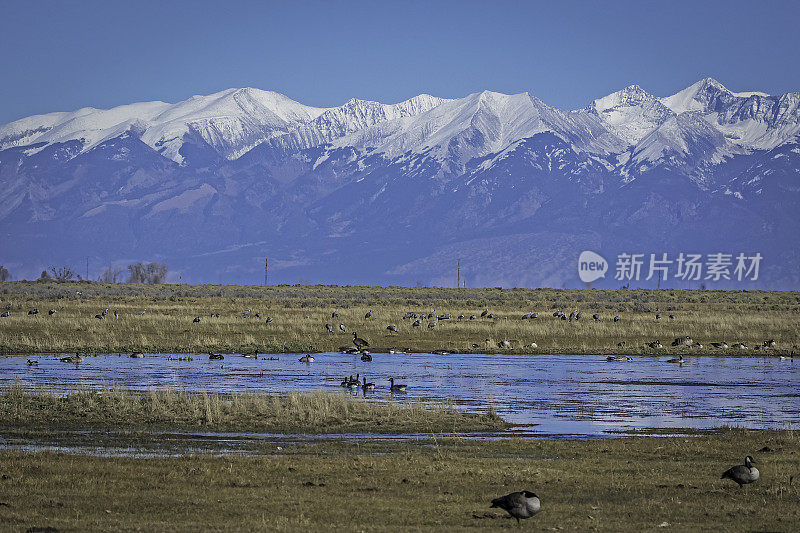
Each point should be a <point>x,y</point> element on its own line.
<point>59,55</point>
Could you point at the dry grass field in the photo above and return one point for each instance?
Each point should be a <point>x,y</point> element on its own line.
<point>300,313</point>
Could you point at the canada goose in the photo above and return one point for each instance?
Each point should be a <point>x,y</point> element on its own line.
<point>396,388</point>
<point>503,344</point>
<point>672,317</point>
<point>72,358</point>
<point>395,351</point>
<point>367,386</point>
<point>535,315</point>
<point>596,317</point>
<point>523,504</point>
<point>196,319</point>
<point>105,312</point>
<point>473,317</point>
<point>678,360</point>
<point>621,344</point>
<point>100,317</point>
<point>368,315</point>
<point>143,311</point>
<point>618,358</point>
<point>656,345</point>
<point>432,323</point>
<point>216,356</point>
<point>137,355</point>
<point>253,355</point>
<point>417,323</point>
<point>329,328</point>
<point>34,311</point>
<point>392,328</point>
<point>5,314</point>
<point>258,315</point>
<point>334,315</point>
<point>358,341</point>
<point>769,344</point>
<point>484,313</point>
<point>269,319</point>
<point>307,359</point>
<point>658,316</point>
<point>33,362</point>
<point>722,345</point>
<point>346,381</point>
<point>789,357</point>
<point>461,317</point>
<point>341,327</point>
<point>440,352</point>
<point>616,318</point>
<point>51,312</point>
<point>116,314</point>
<point>533,345</point>
<point>366,357</point>
<point>740,346</point>
<point>742,474</point>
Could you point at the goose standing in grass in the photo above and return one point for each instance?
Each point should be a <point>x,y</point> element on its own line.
<point>34,311</point>
<point>399,387</point>
<point>342,328</point>
<point>196,319</point>
<point>334,315</point>
<point>116,314</point>
<point>523,504</point>
<point>392,328</point>
<point>358,341</point>
<point>742,474</point>
<point>51,312</point>
<point>142,312</point>
<point>367,386</point>
<point>616,318</point>
<point>99,317</point>
<point>368,315</point>
<point>722,345</point>
<point>5,314</point>
<point>329,328</point>
<point>484,313</point>
<point>417,323</point>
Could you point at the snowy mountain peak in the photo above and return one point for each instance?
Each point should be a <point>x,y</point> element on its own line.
<point>630,114</point>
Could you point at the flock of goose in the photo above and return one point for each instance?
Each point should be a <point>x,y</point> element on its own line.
<point>525,504</point>
<point>354,383</point>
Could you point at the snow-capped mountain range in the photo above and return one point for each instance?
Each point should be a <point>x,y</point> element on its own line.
<point>392,193</point>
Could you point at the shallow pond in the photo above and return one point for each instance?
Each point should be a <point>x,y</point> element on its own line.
<point>549,395</point>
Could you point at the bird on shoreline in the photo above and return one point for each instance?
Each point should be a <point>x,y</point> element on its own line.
<point>742,474</point>
<point>358,341</point>
<point>522,504</point>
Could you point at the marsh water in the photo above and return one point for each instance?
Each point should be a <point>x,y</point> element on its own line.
<point>560,396</point>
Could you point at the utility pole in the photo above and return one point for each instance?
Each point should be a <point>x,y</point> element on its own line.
<point>266,269</point>
<point>659,280</point>
<point>87,268</point>
<point>458,275</point>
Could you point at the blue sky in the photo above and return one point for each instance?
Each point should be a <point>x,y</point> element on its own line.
<point>60,56</point>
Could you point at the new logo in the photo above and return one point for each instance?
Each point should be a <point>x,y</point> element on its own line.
<point>591,266</point>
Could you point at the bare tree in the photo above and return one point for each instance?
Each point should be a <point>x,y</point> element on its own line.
<point>4,274</point>
<point>44,276</point>
<point>111,275</point>
<point>63,273</point>
<point>147,272</point>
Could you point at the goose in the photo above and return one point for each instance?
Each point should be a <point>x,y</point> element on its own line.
<point>258,315</point>
<point>395,351</point>
<point>769,344</point>
<point>740,346</point>
<point>473,317</point>
<point>656,345</point>
<point>116,314</point>
<point>578,315</point>
<point>432,323</point>
<point>329,328</point>
<point>672,317</point>
<point>196,319</point>
<point>216,356</point>
<point>346,381</point>
<point>440,352</point>
<point>367,386</point>
<point>33,362</point>
<point>307,359</point>
<point>105,312</point>
<point>269,319</point>
<point>137,355</point>
<point>51,312</point>
<point>368,315</point>
<point>366,357</point>
<point>34,311</point>
<point>392,328</point>
<point>484,313</point>
<point>417,323</point>
<point>396,388</point>
<point>533,345</point>
<point>618,358</point>
<point>99,317</point>
<point>678,360</point>
<point>143,311</point>
<point>621,344</point>
<point>789,357</point>
<point>742,474</point>
<point>616,318</point>
<point>596,317</point>
<point>72,358</point>
<point>253,355</point>
<point>523,504</point>
<point>658,316</point>
<point>341,327</point>
<point>353,384</point>
<point>503,344</point>
<point>358,341</point>
<point>334,315</point>
<point>722,345</point>
<point>461,317</point>
<point>5,314</point>
<point>535,315</point>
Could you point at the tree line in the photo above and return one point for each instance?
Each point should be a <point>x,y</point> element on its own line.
<point>141,272</point>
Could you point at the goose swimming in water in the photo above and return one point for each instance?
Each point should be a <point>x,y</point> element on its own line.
<point>367,386</point>
<point>396,388</point>
<point>523,504</point>
<point>678,360</point>
<point>742,474</point>
<point>307,359</point>
<point>618,358</point>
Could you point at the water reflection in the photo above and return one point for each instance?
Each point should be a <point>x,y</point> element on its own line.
<point>559,395</point>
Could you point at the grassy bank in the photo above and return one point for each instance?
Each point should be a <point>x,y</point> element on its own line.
<point>300,313</point>
<point>293,412</point>
<point>634,484</point>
